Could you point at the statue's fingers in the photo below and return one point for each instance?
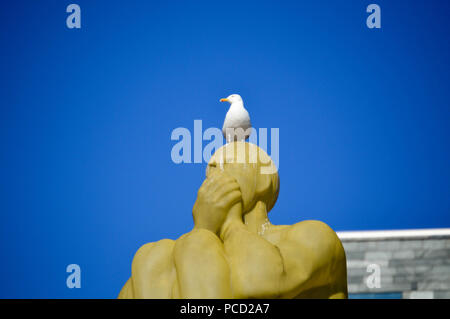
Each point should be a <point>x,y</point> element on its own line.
<point>218,174</point>
<point>229,187</point>
<point>218,181</point>
<point>214,183</point>
<point>227,179</point>
<point>232,198</point>
<point>205,183</point>
<point>215,176</point>
<point>205,187</point>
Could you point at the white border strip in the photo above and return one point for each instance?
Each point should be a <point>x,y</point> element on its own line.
<point>394,234</point>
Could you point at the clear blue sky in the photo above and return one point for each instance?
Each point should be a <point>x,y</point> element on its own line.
<point>86,118</point>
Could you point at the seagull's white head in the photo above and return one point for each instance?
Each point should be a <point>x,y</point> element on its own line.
<point>233,98</point>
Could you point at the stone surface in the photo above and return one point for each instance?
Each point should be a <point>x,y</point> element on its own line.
<point>418,295</point>
<point>415,267</point>
<point>403,254</point>
<point>442,294</point>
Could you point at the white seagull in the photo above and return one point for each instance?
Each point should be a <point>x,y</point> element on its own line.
<point>237,126</point>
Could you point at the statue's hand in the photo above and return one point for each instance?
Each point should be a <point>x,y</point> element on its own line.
<point>218,193</point>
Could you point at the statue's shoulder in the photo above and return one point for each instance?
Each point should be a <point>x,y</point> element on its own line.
<point>314,234</point>
<point>161,248</point>
<point>152,270</point>
<point>314,246</point>
<point>312,225</point>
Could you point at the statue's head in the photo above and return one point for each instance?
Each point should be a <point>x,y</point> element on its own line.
<point>252,168</point>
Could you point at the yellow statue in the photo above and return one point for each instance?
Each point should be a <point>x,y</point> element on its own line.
<point>234,251</point>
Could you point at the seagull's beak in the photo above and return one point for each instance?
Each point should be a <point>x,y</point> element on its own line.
<point>224,100</point>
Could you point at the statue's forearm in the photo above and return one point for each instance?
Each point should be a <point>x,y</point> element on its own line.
<point>256,265</point>
<point>201,266</point>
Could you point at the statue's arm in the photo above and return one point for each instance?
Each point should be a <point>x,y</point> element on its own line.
<point>201,266</point>
<point>193,266</point>
<point>257,266</point>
